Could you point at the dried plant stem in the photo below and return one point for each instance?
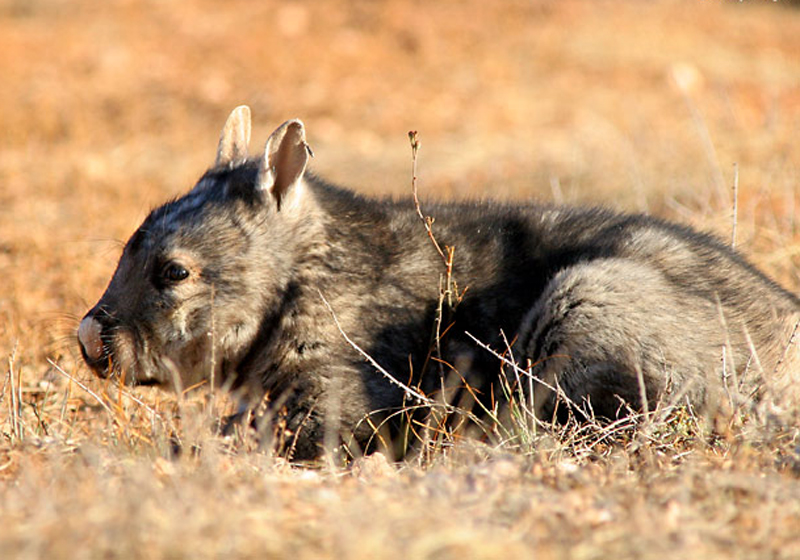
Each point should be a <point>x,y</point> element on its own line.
<point>212,334</point>
<point>448,289</point>
<point>426,220</point>
<point>408,390</point>
<point>518,370</point>
<point>786,348</point>
<point>642,392</point>
<point>448,252</point>
<point>16,396</point>
<point>122,393</point>
<point>94,395</point>
<point>735,203</point>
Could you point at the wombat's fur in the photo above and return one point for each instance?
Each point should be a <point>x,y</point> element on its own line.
<point>232,281</point>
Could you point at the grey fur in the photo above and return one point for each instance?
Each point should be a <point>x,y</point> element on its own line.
<point>596,300</point>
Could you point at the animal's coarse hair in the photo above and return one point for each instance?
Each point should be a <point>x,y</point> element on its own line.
<point>238,282</point>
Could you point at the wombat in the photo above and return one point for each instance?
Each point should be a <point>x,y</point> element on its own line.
<point>269,281</point>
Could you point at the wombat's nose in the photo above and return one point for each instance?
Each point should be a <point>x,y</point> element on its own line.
<point>89,339</point>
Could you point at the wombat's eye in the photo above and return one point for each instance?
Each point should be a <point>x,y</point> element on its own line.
<point>173,273</point>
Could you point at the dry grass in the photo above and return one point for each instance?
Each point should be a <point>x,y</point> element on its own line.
<point>109,108</point>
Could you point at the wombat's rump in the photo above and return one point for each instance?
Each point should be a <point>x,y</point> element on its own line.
<point>231,283</point>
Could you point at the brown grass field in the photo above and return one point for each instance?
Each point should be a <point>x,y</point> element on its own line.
<point>109,108</point>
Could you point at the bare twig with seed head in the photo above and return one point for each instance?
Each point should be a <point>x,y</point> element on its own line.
<point>448,288</point>
<point>427,220</point>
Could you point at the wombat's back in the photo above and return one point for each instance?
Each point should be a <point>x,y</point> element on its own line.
<point>658,299</point>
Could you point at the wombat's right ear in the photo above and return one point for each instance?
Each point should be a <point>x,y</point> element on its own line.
<point>234,138</point>
<point>284,162</point>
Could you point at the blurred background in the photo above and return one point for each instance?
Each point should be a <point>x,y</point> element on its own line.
<point>109,108</point>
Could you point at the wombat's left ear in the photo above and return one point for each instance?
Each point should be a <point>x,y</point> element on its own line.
<point>234,138</point>
<point>285,160</point>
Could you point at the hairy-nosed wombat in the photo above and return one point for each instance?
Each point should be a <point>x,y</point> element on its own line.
<point>227,284</point>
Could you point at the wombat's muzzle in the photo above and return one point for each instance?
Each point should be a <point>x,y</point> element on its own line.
<point>93,349</point>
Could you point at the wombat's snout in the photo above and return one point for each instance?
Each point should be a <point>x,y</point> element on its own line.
<point>90,341</point>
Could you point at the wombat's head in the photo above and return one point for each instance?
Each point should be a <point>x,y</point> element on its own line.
<point>196,280</point>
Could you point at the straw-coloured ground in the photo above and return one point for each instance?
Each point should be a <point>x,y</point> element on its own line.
<point>108,109</point>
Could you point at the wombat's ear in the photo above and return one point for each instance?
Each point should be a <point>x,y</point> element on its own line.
<point>284,160</point>
<point>235,137</point>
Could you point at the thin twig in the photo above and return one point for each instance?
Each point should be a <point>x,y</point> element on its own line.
<point>143,404</point>
<point>408,390</point>
<point>642,391</point>
<point>426,220</point>
<point>727,352</point>
<point>786,348</point>
<point>84,387</point>
<point>211,335</point>
<point>516,367</point>
<point>15,398</point>
<point>735,203</point>
<point>447,285</point>
<point>527,405</point>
